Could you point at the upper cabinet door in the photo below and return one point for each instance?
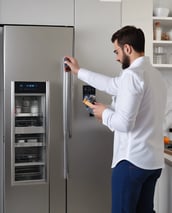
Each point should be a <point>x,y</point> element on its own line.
<point>139,14</point>
<point>46,12</point>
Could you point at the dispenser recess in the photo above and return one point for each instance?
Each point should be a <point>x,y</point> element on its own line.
<point>29,131</point>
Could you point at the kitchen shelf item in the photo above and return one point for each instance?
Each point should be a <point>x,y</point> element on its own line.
<point>161,11</point>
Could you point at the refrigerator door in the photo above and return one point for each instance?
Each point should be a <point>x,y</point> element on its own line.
<point>90,148</point>
<point>33,53</point>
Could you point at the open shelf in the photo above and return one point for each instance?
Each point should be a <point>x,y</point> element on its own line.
<point>162,65</point>
<point>162,42</point>
<point>166,21</point>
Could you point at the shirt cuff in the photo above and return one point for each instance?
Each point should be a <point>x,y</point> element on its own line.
<point>83,74</point>
<point>106,115</point>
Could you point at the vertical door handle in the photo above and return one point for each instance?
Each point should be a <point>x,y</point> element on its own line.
<point>67,108</point>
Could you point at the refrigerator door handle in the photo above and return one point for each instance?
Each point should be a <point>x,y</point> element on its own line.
<point>67,102</point>
<point>67,127</point>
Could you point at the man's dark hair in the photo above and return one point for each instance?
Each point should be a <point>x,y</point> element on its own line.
<point>132,36</point>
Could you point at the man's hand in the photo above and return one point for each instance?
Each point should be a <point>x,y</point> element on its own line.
<point>73,64</point>
<point>98,109</point>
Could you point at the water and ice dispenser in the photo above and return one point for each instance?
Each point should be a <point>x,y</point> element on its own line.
<point>29,131</point>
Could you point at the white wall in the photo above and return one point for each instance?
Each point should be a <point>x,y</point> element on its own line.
<point>38,12</point>
<point>139,13</point>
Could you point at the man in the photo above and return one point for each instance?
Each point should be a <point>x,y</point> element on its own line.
<point>136,117</point>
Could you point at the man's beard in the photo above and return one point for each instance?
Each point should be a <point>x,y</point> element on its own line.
<point>126,61</point>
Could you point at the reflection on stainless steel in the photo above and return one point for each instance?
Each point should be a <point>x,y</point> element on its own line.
<point>26,105</point>
<point>28,154</point>
<point>29,138</point>
<point>29,121</point>
<point>28,173</point>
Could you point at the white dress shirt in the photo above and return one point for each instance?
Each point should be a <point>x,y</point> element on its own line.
<point>136,116</point>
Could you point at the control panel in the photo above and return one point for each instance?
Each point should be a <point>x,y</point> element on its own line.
<point>89,96</point>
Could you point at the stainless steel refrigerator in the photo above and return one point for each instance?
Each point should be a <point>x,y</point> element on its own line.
<point>55,157</point>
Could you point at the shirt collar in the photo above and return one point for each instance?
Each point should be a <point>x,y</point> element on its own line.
<point>139,61</point>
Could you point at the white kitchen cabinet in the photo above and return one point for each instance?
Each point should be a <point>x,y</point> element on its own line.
<point>162,59</point>
<point>139,13</point>
<point>162,48</point>
<point>39,12</point>
<point>164,204</point>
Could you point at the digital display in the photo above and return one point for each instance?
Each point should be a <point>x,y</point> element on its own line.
<point>30,87</point>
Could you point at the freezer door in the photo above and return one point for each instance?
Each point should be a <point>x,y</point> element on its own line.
<point>33,53</point>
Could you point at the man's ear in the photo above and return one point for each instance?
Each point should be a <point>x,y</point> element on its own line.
<point>127,49</point>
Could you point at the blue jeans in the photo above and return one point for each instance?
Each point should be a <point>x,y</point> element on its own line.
<point>133,188</point>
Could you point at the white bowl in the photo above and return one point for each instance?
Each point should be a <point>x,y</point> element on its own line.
<point>160,11</point>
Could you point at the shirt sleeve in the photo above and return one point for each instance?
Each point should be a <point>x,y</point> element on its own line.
<point>128,101</point>
<point>101,82</point>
